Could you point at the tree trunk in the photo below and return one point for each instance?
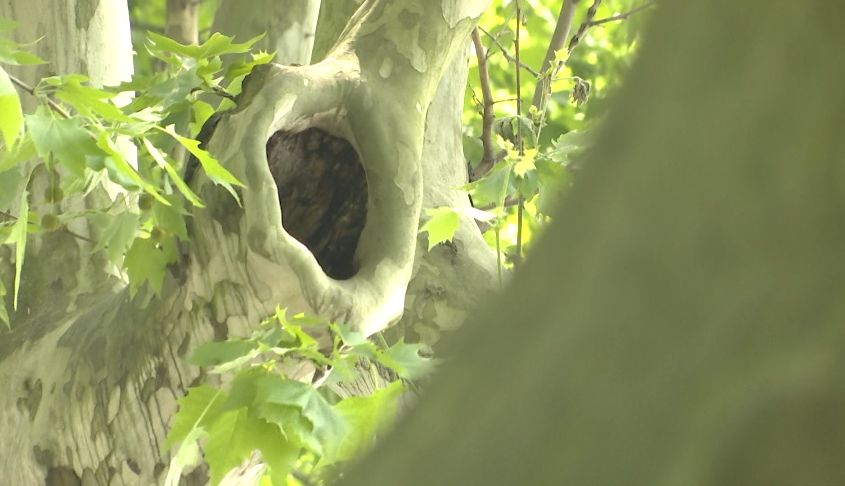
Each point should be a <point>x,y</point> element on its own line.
<point>182,23</point>
<point>91,380</point>
<point>288,26</point>
<point>681,321</point>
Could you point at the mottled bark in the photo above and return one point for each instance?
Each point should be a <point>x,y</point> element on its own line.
<point>90,376</point>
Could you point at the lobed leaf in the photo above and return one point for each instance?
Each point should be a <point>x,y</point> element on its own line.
<point>11,116</point>
<point>442,224</point>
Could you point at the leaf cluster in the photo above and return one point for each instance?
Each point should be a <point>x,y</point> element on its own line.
<point>301,426</point>
<point>114,156</point>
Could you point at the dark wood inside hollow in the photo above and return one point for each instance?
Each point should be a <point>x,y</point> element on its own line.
<point>323,193</point>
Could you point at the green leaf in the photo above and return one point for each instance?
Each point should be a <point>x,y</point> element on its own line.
<point>568,144</point>
<point>11,116</point>
<point>216,172</point>
<point>199,407</point>
<point>405,360</point>
<point>492,189</point>
<point>524,163</point>
<point>238,69</point>
<point>233,437</point>
<point>442,224</point>
<point>219,352</point>
<point>146,262</point>
<point>89,101</point>
<point>118,235</point>
<point>11,53</point>
<point>367,417</point>
<point>18,237</point>
<point>201,111</point>
<point>216,45</point>
<point>9,184</point>
<point>162,162</point>
<point>65,139</point>
<point>274,393</point>
<point>23,151</point>
<point>124,168</point>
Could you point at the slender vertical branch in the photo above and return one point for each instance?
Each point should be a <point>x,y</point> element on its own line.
<point>488,159</point>
<point>557,42</point>
<point>182,21</point>
<point>519,142</point>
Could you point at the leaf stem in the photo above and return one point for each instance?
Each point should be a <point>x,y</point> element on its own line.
<point>29,89</point>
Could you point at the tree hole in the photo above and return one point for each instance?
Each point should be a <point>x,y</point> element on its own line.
<point>323,193</point>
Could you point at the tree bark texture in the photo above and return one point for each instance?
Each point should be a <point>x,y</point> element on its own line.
<point>182,24</point>
<point>91,376</point>
<point>290,26</point>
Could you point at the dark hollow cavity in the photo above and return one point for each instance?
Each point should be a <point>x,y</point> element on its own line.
<point>323,192</point>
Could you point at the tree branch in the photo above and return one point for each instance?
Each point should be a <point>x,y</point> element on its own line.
<point>29,89</point>
<point>557,42</point>
<point>507,54</point>
<point>487,115</point>
<point>64,228</point>
<point>576,39</point>
<point>623,16</point>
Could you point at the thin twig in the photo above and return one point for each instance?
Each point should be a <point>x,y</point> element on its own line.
<point>582,29</point>
<point>557,42</point>
<point>29,89</point>
<point>487,115</point>
<point>507,54</point>
<point>519,142</point>
<point>623,16</point>
<point>63,228</point>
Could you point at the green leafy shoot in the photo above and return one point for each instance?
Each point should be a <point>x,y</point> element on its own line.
<point>297,424</point>
<point>441,226</point>
<point>13,53</point>
<point>216,172</point>
<point>18,237</point>
<point>216,45</point>
<point>162,162</point>
<point>444,222</point>
<point>11,116</point>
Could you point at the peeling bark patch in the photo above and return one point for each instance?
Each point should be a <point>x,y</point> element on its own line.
<point>84,13</point>
<point>62,476</point>
<point>322,190</point>
<point>32,397</point>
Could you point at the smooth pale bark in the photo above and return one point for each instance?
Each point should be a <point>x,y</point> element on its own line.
<point>289,26</point>
<point>90,380</point>
<point>681,321</point>
<point>88,37</point>
<point>182,23</point>
<point>449,281</point>
<point>372,90</point>
<point>334,15</point>
<point>98,44</point>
